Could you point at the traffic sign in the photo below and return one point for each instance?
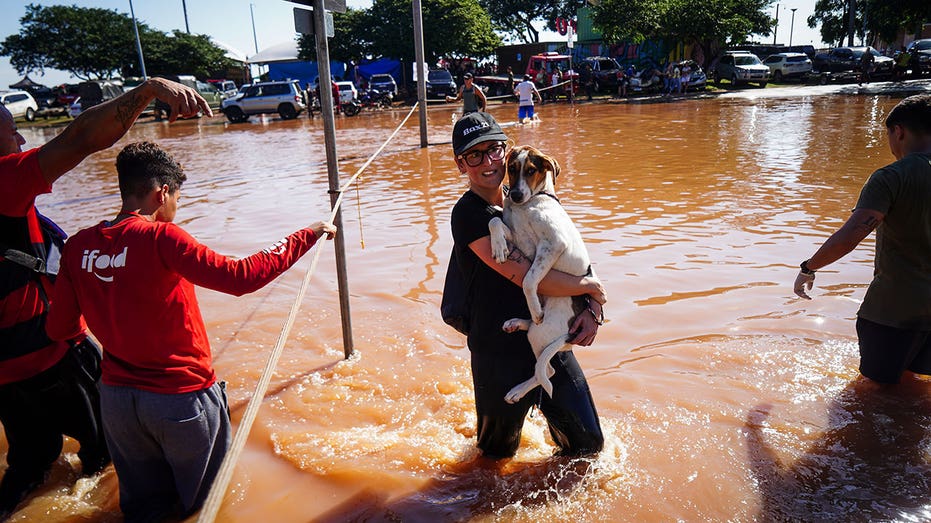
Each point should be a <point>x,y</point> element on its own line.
<point>336,6</point>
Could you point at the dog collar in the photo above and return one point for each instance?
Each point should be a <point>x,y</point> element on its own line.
<point>553,196</point>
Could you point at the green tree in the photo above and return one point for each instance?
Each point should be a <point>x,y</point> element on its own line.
<point>93,43</point>
<point>451,28</point>
<point>352,38</point>
<point>89,43</point>
<point>515,18</point>
<point>873,19</point>
<point>710,24</point>
<point>179,53</point>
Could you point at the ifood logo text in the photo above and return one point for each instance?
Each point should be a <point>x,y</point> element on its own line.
<point>94,260</point>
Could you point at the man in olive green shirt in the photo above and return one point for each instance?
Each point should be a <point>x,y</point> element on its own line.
<point>894,321</point>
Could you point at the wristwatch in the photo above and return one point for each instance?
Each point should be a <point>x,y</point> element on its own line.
<point>805,269</point>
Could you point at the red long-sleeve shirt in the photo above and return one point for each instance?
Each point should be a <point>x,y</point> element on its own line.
<point>134,283</point>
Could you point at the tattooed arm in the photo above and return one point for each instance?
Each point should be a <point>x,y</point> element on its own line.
<point>101,126</point>
<point>860,224</point>
<point>555,283</point>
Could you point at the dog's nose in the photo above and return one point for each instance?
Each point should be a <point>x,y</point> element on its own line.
<point>516,195</point>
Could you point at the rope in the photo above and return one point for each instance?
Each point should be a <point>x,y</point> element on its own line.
<point>504,96</point>
<point>212,504</point>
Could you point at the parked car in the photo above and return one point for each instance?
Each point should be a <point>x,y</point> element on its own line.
<point>845,62</point>
<point>347,92</point>
<point>440,83</point>
<point>209,93</point>
<point>921,55</point>
<point>384,83</point>
<point>92,93</point>
<point>20,104</point>
<point>697,78</point>
<point>740,67</point>
<point>226,87</point>
<point>788,65</point>
<point>604,71</point>
<point>283,97</point>
<point>47,100</point>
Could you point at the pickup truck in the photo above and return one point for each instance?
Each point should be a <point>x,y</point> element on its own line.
<point>605,70</point>
<point>497,85</point>
<point>843,63</point>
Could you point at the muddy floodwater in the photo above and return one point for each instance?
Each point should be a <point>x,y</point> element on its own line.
<point>721,394</point>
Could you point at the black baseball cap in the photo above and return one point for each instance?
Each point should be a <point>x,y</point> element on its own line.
<point>475,128</point>
<point>467,76</point>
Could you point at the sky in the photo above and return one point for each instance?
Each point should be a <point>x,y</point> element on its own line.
<point>230,22</point>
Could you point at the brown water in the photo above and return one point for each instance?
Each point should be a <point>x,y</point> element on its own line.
<point>723,397</point>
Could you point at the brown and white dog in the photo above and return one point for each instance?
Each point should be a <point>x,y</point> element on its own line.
<point>537,225</point>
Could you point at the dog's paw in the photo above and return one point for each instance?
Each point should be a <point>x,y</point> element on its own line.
<point>537,318</point>
<point>515,324</point>
<point>514,395</point>
<point>499,250</point>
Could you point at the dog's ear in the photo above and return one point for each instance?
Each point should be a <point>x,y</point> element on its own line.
<point>553,164</point>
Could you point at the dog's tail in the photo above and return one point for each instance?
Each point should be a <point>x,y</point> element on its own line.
<point>543,369</point>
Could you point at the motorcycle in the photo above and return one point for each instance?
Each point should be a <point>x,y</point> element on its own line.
<point>350,108</point>
<point>374,99</point>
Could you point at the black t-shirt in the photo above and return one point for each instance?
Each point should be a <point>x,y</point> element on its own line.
<point>493,299</point>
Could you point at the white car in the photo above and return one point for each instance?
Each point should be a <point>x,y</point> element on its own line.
<point>20,104</point>
<point>347,92</point>
<point>788,65</point>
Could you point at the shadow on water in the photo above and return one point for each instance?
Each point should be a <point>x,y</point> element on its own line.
<point>476,488</point>
<point>870,464</point>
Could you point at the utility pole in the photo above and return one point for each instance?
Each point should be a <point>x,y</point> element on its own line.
<point>138,42</point>
<point>421,74</point>
<point>325,85</point>
<point>792,25</point>
<point>186,26</point>
<point>776,26</point>
<point>851,18</point>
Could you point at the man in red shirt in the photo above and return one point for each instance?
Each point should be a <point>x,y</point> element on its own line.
<point>165,415</point>
<point>46,389</point>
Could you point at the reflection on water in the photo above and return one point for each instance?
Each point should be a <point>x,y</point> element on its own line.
<point>722,396</point>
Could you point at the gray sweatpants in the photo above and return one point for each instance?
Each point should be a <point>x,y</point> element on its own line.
<point>166,448</point>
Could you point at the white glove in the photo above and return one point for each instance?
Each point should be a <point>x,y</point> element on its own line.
<point>802,281</point>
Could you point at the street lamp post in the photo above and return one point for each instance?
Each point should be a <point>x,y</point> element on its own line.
<point>187,27</point>
<point>776,26</point>
<point>138,43</point>
<point>792,25</point>
<point>255,39</point>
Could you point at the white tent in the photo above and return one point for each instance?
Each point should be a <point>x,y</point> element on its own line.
<point>231,52</point>
<point>283,52</point>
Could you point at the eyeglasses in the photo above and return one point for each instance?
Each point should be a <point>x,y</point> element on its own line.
<point>475,158</point>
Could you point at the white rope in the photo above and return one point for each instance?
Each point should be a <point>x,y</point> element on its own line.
<point>504,96</point>
<point>212,504</point>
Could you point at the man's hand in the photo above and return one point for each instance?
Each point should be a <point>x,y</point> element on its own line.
<point>595,289</point>
<point>586,325</point>
<point>183,100</point>
<point>321,228</point>
<point>802,281</point>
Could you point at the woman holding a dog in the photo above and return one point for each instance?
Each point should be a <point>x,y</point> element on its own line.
<point>501,360</point>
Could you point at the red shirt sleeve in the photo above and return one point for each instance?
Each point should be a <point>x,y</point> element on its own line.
<point>22,180</point>
<point>204,267</point>
<point>64,320</point>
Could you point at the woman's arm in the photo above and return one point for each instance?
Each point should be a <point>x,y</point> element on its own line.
<point>555,283</point>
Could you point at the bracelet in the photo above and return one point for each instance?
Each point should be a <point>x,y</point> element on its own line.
<point>805,269</point>
<point>599,320</point>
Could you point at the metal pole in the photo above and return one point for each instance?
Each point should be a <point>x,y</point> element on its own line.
<point>421,74</point>
<point>254,38</point>
<point>851,18</point>
<point>329,139</point>
<point>792,25</point>
<point>186,26</point>
<point>776,27</point>
<point>138,42</point>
